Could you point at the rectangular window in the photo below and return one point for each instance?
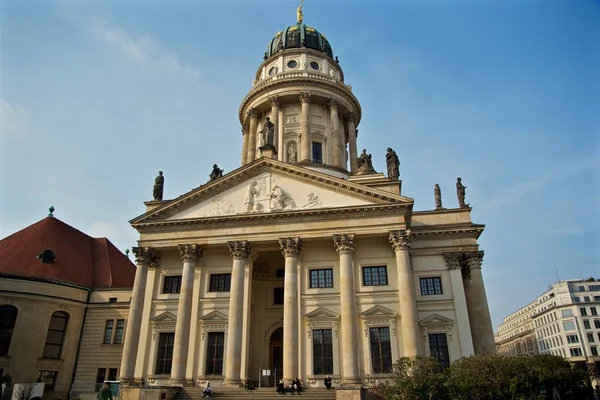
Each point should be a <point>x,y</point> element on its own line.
<point>586,324</point>
<point>594,288</point>
<point>576,352</point>
<point>375,276</point>
<point>569,326</point>
<point>214,353</point>
<point>321,278</point>
<point>586,299</point>
<point>108,329</point>
<point>430,286</point>
<point>172,284</point>
<point>597,323</point>
<point>567,313</point>
<point>576,300</point>
<point>100,376</point>
<point>583,311</point>
<point>317,152</point>
<point>322,352</point>
<point>48,378</point>
<point>112,374</point>
<point>581,288</point>
<point>572,339</point>
<point>119,331</point>
<point>164,361</point>
<point>438,348</point>
<point>594,310</point>
<point>381,350</point>
<point>278,295</point>
<point>220,283</point>
<point>596,298</point>
<point>590,337</point>
<point>594,350</point>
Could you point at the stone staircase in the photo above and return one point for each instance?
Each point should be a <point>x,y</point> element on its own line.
<point>195,393</point>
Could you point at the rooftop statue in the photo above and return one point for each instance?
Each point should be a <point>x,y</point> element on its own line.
<point>268,133</point>
<point>364,164</point>
<point>460,193</point>
<point>157,191</point>
<point>437,193</point>
<point>216,173</point>
<point>393,164</point>
<point>299,15</point>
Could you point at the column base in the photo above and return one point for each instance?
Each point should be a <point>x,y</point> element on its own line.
<point>353,392</point>
<point>182,382</point>
<point>129,381</point>
<point>351,383</point>
<point>232,383</point>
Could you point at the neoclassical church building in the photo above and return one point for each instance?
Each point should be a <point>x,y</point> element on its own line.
<point>303,262</point>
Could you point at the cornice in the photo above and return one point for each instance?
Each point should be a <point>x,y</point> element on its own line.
<point>302,81</point>
<point>467,230</point>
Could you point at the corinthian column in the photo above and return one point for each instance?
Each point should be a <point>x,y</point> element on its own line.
<point>480,304</point>
<point>275,106</point>
<point>305,128</point>
<point>411,341</point>
<point>239,252</point>
<point>253,114</point>
<point>190,254</point>
<point>291,248</point>
<point>144,257</point>
<point>245,133</point>
<point>353,155</point>
<point>465,337</point>
<point>344,245</point>
<point>335,133</point>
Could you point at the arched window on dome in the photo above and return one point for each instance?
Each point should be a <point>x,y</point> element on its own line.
<point>56,335</point>
<point>8,319</point>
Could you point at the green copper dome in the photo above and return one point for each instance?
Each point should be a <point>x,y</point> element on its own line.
<point>299,36</point>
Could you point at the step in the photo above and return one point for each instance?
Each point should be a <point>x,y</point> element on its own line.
<point>195,393</point>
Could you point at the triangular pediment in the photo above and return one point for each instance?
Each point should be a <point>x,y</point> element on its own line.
<point>164,317</point>
<point>321,313</point>
<point>214,316</point>
<point>436,320</point>
<point>378,311</point>
<point>268,187</point>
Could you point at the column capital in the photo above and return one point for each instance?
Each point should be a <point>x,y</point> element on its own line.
<point>245,129</point>
<point>275,101</point>
<point>332,104</point>
<point>350,117</point>
<point>400,239</point>
<point>290,247</point>
<point>239,250</point>
<point>190,252</point>
<point>252,113</point>
<point>146,256</point>
<point>304,97</point>
<point>474,259</point>
<point>453,260</point>
<point>344,243</point>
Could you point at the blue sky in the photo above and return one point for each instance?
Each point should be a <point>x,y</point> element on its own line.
<point>96,97</point>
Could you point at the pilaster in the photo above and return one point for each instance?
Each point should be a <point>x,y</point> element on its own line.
<point>245,134</point>
<point>252,145</point>
<point>335,133</point>
<point>463,324</point>
<point>305,142</point>
<point>275,107</point>
<point>480,303</point>
<point>353,155</point>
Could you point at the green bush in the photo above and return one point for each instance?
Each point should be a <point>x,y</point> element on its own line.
<point>484,377</point>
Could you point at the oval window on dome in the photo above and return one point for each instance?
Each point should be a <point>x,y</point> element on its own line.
<point>273,70</point>
<point>315,65</point>
<point>292,64</point>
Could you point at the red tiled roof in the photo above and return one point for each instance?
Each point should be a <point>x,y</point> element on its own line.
<point>80,259</point>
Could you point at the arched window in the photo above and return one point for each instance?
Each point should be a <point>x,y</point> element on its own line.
<point>56,334</point>
<point>8,318</point>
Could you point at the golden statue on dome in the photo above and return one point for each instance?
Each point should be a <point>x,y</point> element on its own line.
<point>299,15</point>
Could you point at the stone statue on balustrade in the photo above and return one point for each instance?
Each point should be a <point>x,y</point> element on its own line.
<point>364,164</point>
<point>437,193</point>
<point>460,193</point>
<point>159,182</point>
<point>268,133</point>
<point>393,164</point>
<point>216,173</point>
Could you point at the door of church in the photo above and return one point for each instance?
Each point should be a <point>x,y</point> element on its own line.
<point>276,358</point>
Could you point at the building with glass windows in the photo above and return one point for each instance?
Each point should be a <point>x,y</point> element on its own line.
<point>563,321</point>
<point>304,261</point>
<point>64,300</point>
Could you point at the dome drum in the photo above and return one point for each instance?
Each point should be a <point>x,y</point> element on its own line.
<point>299,36</point>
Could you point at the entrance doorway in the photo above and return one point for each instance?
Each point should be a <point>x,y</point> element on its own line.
<point>276,356</point>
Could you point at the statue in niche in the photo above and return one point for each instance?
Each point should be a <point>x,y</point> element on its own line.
<point>268,132</point>
<point>312,200</point>
<point>157,191</point>
<point>393,164</point>
<point>364,164</point>
<point>460,193</point>
<point>437,193</point>
<point>216,173</point>
<point>280,200</point>
<point>292,152</point>
<point>250,203</point>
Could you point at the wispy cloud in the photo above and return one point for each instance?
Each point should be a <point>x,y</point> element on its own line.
<point>144,50</point>
<point>14,120</point>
